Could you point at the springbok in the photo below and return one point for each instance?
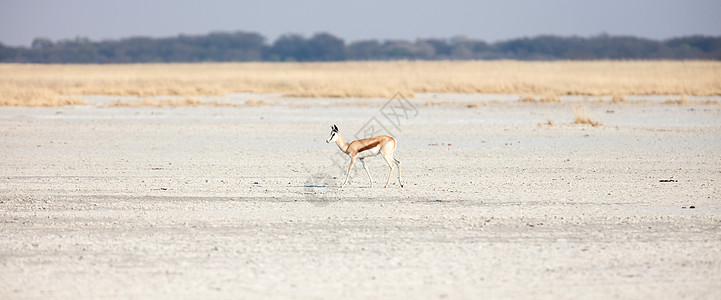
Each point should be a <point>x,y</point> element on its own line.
<point>365,148</point>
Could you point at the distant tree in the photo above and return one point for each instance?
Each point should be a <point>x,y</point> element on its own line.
<point>41,43</point>
<point>400,49</point>
<point>326,47</point>
<point>222,46</point>
<point>397,50</point>
<point>683,47</point>
<point>249,46</point>
<point>8,54</point>
<point>364,50</point>
<point>423,50</point>
<point>516,48</point>
<point>623,47</point>
<point>441,47</point>
<point>291,47</point>
<point>465,48</point>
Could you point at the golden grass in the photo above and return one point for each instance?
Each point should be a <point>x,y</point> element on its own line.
<point>436,103</point>
<point>22,84</point>
<point>582,116</point>
<point>12,94</point>
<point>548,123</point>
<point>681,101</point>
<point>184,102</point>
<point>618,99</point>
<point>527,99</point>
<point>159,103</point>
<point>542,99</point>
<point>684,101</point>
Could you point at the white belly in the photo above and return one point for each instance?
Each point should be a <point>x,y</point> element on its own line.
<point>370,152</point>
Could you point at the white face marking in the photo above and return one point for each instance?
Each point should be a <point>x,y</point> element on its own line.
<point>332,137</point>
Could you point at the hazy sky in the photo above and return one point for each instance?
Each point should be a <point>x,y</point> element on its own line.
<point>23,20</point>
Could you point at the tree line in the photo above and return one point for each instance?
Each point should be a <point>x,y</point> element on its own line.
<point>249,46</point>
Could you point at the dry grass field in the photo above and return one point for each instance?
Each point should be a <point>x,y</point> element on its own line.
<point>57,85</point>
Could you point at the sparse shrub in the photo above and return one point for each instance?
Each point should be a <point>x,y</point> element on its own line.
<point>582,117</point>
<point>543,99</point>
<point>550,99</point>
<point>253,102</point>
<point>217,102</point>
<point>191,102</point>
<point>435,102</point>
<point>682,101</point>
<point>169,102</point>
<point>618,99</point>
<point>548,123</point>
<point>144,102</point>
<point>527,98</point>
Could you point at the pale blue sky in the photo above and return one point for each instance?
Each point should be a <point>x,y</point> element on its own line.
<point>23,20</point>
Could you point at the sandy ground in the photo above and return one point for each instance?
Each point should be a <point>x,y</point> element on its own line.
<point>243,202</point>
